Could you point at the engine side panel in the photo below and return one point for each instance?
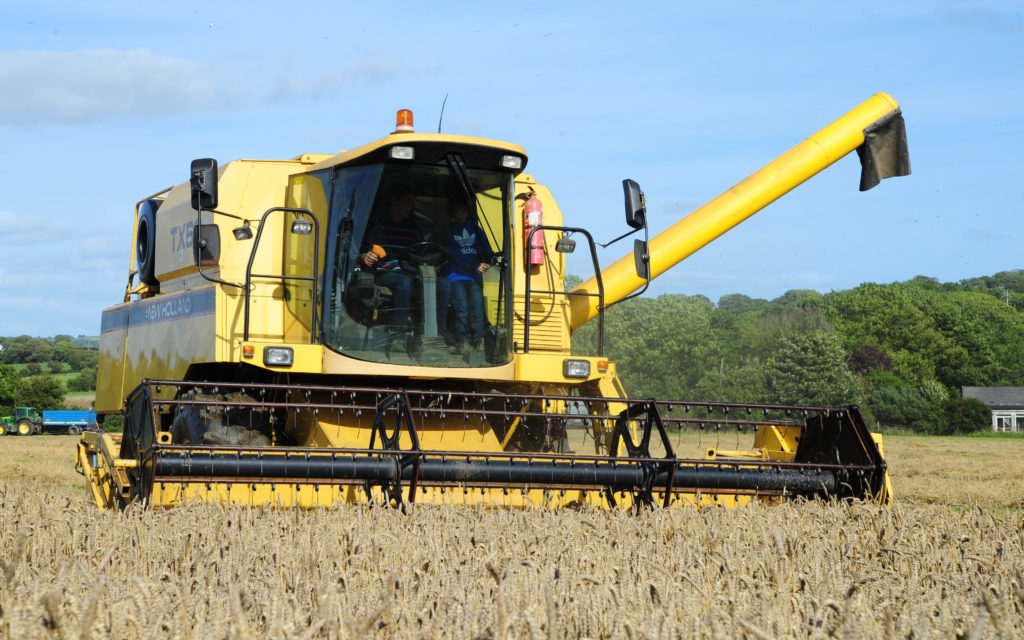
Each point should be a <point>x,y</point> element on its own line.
<point>154,338</point>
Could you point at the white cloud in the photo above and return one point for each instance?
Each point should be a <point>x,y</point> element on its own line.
<point>58,252</point>
<point>985,235</point>
<point>988,19</point>
<point>326,81</point>
<point>74,87</point>
<point>25,231</point>
<point>83,86</point>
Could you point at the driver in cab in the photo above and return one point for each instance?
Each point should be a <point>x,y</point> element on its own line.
<point>383,247</point>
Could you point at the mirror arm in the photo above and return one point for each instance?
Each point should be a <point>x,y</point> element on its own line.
<point>199,261</point>
<point>625,235</point>
<point>645,260</point>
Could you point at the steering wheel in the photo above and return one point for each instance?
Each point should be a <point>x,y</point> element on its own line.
<point>431,253</point>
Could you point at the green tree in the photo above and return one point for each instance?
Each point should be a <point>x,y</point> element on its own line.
<point>933,331</point>
<point>899,406</point>
<point>662,346</point>
<point>959,416</point>
<point>914,343</point>
<point>61,349</point>
<point>42,392</point>
<point>866,358</point>
<point>887,317</point>
<point>1005,286</point>
<point>800,298</point>
<point>24,349</point>
<point>810,368</point>
<point>734,383</point>
<point>9,384</point>
<point>760,335</point>
<point>737,304</point>
<point>572,281</point>
<point>82,358</point>
<point>83,381</point>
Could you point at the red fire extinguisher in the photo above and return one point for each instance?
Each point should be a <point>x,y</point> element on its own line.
<point>533,216</point>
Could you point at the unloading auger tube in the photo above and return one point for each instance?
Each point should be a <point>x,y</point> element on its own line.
<point>875,129</point>
<point>836,456</point>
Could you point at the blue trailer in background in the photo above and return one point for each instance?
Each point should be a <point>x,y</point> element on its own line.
<point>27,421</point>
<point>74,422</point>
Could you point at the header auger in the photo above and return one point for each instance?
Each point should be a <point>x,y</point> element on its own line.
<point>372,330</point>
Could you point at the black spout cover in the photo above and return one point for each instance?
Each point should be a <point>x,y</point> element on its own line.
<point>884,153</point>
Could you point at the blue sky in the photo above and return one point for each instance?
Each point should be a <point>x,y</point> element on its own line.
<point>103,103</point>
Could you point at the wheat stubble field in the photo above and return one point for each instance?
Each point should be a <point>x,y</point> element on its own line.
<point>947,561</point>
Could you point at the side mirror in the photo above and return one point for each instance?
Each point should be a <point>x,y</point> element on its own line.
<point>641,259</point>
<point>206,244</point>
<point>204,183</point>
<point>636,206</point>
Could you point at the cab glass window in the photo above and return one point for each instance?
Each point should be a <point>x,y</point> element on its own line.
<point>417,265</point>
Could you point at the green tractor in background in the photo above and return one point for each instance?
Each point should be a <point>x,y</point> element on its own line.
<point>24,422</point>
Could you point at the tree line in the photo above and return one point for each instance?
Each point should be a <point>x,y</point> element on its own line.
<point>900,351</point>
<point>37,372</point>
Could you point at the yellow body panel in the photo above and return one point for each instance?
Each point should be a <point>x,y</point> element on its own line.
<point>549,330</point>
<point>400,138</point>
<point>158,337</point>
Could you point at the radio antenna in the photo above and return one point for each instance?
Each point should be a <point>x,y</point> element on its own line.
<point>441,117</point>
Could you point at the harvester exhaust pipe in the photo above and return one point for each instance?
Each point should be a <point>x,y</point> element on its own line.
<point>875,129</point>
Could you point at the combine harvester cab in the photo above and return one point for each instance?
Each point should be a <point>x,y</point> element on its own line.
<point>389,324</point>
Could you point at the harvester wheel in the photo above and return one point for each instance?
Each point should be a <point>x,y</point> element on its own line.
<point>145,243</point>
<point>26,428</point>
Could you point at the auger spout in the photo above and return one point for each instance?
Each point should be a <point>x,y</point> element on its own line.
<point>874,128</point>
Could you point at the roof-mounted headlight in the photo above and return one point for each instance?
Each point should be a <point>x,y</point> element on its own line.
<point>402,153</point>
<point>512,162</point>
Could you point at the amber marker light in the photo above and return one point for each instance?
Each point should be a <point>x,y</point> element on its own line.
<point>602,366</point>
<point>403,121</point>
<point>248,350</point>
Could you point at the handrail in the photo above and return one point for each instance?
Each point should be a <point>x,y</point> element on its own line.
<point>597,274</point>
<point>249,275</point>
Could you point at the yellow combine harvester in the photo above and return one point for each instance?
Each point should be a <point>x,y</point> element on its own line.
<point>390,324</point>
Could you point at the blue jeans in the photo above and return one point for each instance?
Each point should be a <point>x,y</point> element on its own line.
<point>468,303</point>
<point>444,294</point>
<point>400,283</point>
